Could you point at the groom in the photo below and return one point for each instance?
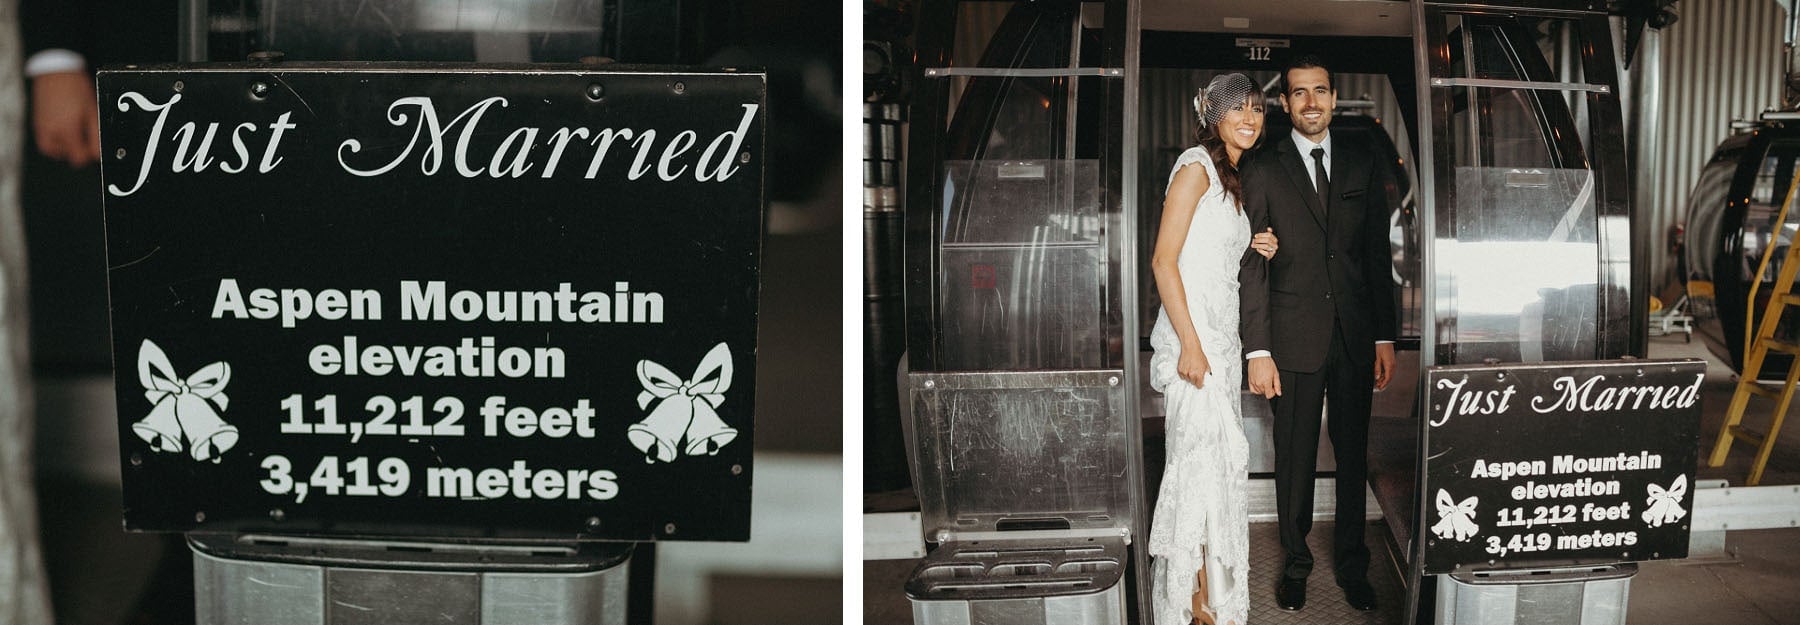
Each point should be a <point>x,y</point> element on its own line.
<point>1318,320</point>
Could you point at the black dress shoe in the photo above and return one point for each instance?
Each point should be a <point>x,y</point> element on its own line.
<point>1290,594</point>
<point>1359,594</point>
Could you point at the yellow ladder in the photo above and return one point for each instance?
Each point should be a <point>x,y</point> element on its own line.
<point>1757,347</point>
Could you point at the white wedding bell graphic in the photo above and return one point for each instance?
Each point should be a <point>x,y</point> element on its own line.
<point>182,414</point>
<point>686,410</point>
<point>1665,505</point>
<point>1456,521</point>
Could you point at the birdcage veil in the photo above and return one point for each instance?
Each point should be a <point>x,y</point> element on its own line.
<point>1224,93</point>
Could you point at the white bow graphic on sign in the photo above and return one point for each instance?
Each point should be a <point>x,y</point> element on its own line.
<point>182,413</point>
<point>688,409</point>
<point>1455,520</point>
<point>1665,505</point>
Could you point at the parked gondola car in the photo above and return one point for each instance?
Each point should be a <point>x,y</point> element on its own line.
<point>1730,224</point>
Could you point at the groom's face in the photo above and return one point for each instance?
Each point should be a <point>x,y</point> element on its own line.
<point>1309,100</point>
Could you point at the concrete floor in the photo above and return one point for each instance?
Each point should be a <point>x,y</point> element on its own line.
<point>1759,583</point>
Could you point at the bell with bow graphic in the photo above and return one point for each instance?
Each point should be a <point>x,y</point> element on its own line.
<point>686,417</point>
<point>1665,505</point>
<point>183,414</point>
<point>1455,520</point>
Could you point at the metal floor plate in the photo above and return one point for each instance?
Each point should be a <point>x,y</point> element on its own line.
<point>1324,601</point>
<point>885,602</point>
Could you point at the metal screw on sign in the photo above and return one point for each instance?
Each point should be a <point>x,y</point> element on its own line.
<point>680,87</point>
<point>669,528</point>
<point>1112,380</point>
<point>136,460</point>
<point>1640,373</point>
<point>743,157</point>
<point>594,91</point>
<point>179,86</point>
<point>930,384</point>
<point>199,517</point>
<point>593,524</point>
<point>1500,376</point>
<point>119,153</point>
<point>277,514</point>
<point>259,89</point>
<point>737,469</point>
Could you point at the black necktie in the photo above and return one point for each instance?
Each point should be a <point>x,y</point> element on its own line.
<point>1322,183</point>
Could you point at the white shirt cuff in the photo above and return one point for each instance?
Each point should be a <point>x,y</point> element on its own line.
<point>1263,353</point>
<point>53,61</point>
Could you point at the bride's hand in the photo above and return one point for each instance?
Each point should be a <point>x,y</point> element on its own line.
<point>1193,367</point>
<point>1265,243</point>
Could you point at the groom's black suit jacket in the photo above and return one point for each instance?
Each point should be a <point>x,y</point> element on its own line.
<point>1334,263</point>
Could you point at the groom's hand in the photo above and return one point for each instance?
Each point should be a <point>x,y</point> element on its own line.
<point>1384,365</point>
<point>1264,379</point>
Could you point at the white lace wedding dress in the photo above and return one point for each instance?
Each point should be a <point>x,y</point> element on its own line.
<point>1200,515</point>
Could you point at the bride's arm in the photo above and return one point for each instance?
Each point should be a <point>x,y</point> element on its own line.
<point>1185,190</point>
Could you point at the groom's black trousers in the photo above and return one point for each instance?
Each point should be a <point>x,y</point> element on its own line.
<point>1347,386</point>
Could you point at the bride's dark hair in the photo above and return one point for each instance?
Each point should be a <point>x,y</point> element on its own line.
<point>1225,93</point>
<point>1228,173</point>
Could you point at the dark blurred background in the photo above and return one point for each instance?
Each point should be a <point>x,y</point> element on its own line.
<point>789,572</point>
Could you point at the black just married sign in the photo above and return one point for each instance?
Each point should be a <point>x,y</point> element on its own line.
<point>1551,464</point>
<point>415,300</point>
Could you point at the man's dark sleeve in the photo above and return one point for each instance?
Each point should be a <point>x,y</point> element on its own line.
<point>1253,269</point>
<point>1378,263</point>
<point>66,24</point>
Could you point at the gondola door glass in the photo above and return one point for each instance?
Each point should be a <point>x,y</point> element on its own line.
<point>1022,266</point>
<point>1762,237</point>
<point>1531,247</point>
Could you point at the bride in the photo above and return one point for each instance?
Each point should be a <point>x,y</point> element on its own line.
<point>1199,535</point>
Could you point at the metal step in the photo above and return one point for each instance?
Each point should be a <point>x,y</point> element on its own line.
<point>899,535</point>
